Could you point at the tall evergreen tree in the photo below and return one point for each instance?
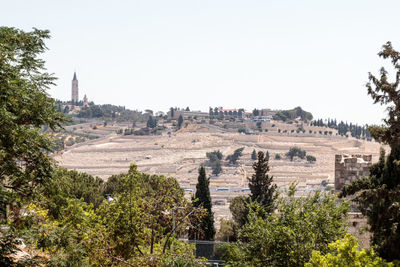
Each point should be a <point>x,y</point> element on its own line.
<point>151,122</point>
<point>254,155</point>
<point>260,183</point>
<point>180,121</point>
<point>240,113</point>
<point>205,229</point>
<point>378,196</point>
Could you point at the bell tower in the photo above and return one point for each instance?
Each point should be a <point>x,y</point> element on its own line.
<point>75,90</point>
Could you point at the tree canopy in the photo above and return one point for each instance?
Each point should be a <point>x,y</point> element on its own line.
<point>292,114</point>
<point>25,107</point>
<point>288,237</point>
<point>346,252</point>
<point>235,156</point>
<point>62,216</point>
<point>295,152</point>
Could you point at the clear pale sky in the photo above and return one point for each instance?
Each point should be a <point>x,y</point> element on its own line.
<point>263,54</point>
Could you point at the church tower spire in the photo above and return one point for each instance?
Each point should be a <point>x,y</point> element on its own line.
<point>75,90</point>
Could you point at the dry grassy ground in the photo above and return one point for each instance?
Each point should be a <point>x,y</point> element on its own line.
<point>181,153</point>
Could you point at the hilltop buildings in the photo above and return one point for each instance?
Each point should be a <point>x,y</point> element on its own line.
<point>75,105</point>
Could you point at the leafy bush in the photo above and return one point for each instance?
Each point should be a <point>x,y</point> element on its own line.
<point>70,141</point>
<point>235,156</point>
<point>143,131</point>
<point>241,130</point>
<point>346,252</point>
<point>292,114</point>
<point>215,155</point>
<point>216,167</point>
<point>215,158</point>
<point>296,152</point>
<point>310,158</point>
<point>288,236</point>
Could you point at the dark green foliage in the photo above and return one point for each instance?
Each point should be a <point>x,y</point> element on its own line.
<point>151,122</point>
<point>72,184</point>
<point>260,183</point>
<point>235,156</point>
<point>143,131</point>
<point>344,127</point>
<point>254,155</point>
<point>241,130</point>
<point>118,113</point>
<point>135,227</point>
<point>259,127</point>
<point>180,121</point>
<point>278,156</point>
<point>267,155</point>
<point>8,247</point>
<point>52,210</point>
<point>378,196</point>
<point>239,209</point>
<point>296,152</point>
<point>240,113</point>
<point>215,155</point>
<point>292,114</point>
<point>310,158</point>
<point>113,185</point>
<point>25,108</point>
<point>215,158</point>
<point>288,237</point>
<point>205,228</point>
<point>216,167</point>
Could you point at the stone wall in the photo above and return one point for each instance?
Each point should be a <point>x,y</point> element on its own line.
<point>349,168</point>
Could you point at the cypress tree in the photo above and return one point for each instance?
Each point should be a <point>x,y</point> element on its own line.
<point>203,199</point>
<point>254,155</point>
<point>260,183</point>
<point>150,122</point>
<point>180,121</point>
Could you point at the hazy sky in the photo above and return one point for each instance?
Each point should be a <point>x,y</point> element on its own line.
<point>264,54</point>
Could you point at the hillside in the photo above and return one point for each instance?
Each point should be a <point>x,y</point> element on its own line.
<point>179,154</point>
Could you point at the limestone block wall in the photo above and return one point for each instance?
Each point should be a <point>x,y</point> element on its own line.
<point>349,168</point>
